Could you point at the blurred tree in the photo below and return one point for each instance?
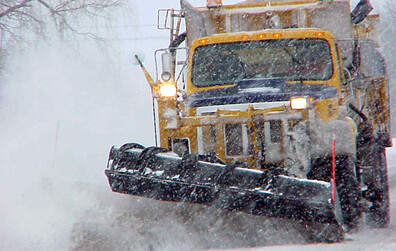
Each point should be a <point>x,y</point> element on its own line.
<point>22,21</point>
<point>18,17</point>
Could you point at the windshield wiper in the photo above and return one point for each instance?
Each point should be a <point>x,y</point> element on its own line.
<point>295,60</point>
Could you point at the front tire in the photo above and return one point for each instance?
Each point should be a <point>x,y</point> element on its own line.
<point>378,215</point>
<point>347,185</point>
<point>348,189</point>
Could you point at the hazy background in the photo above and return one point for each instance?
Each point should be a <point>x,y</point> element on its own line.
<point>62,106</point>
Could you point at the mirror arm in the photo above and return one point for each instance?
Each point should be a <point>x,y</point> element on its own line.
<point>146,74</point>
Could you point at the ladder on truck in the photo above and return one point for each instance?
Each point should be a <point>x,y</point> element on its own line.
<point>170,19</point>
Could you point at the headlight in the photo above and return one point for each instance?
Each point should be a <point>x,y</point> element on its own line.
<point>300,103</point>
<point>168,90</point>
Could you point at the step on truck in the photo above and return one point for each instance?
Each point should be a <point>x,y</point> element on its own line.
<point>275,108</point>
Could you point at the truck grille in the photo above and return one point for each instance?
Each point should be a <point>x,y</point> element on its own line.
<point>276,131</point>
<point>233,139</point>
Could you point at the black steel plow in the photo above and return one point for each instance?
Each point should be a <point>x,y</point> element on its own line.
<point>155,174</point>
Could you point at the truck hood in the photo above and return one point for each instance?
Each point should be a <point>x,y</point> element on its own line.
<point>258,91</point>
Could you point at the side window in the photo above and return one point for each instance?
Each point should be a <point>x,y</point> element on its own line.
<point>371,62</point>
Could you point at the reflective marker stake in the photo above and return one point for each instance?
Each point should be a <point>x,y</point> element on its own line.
<point>333,185</point>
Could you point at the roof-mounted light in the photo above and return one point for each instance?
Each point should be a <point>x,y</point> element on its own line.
<point>277,35</point>
<point>261,36</point>
<point>203,41</point>
<point>214,4</point>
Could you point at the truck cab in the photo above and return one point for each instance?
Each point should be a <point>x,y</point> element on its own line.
<point>259,97</point>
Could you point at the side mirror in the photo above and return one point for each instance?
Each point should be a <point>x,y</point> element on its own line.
<point>361,11</point>
<point>167,66</point>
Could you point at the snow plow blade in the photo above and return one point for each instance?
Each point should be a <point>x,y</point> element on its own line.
<point>152,174</point>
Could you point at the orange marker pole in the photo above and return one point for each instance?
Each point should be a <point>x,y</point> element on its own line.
<point>333,163</point>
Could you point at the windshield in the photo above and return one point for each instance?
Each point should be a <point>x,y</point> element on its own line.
<point>291,59</point>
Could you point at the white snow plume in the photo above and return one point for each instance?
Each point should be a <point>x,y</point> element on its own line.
<point>128,223</point>
<point>60,113</point>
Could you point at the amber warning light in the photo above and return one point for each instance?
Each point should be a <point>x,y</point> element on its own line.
<point>214,3</point>
<point>203,41</point>
<point>277,35</point>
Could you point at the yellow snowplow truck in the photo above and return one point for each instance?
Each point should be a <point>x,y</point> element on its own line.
<point>276,108</point>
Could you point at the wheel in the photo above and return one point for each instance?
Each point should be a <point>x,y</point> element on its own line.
<point>348,189</point>
<point>378,215</point>
<point>347,185</point>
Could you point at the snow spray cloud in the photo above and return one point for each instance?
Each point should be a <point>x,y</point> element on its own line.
<point>60,113</point>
